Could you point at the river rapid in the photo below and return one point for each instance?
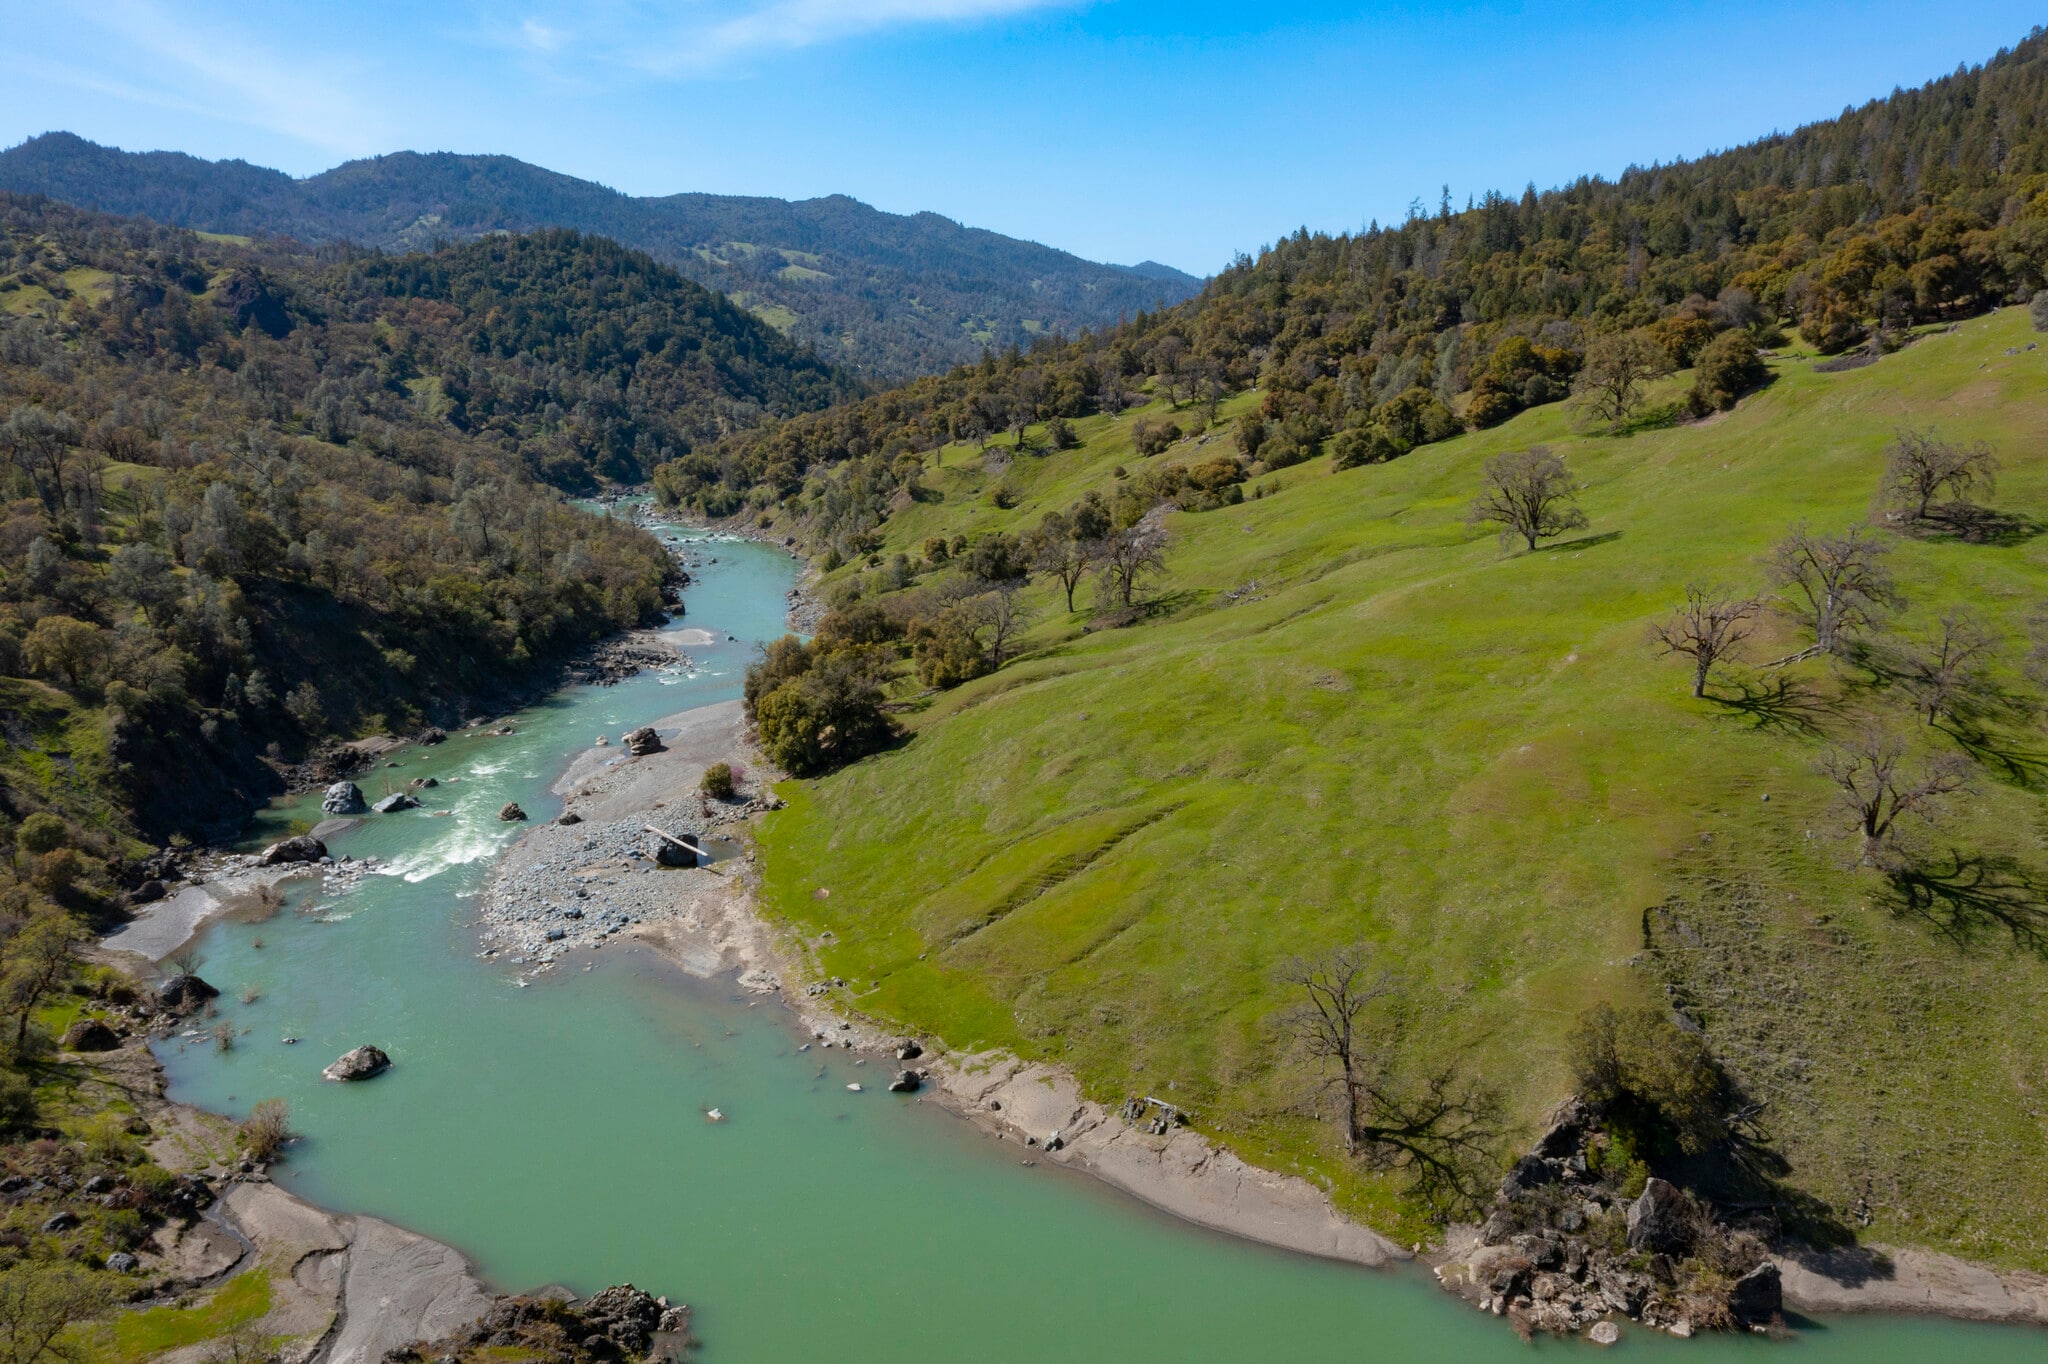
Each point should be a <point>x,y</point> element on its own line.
<point>554,1128</point>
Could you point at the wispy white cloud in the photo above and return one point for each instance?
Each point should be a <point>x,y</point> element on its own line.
<point>190,64</point>
<point>696,37</point>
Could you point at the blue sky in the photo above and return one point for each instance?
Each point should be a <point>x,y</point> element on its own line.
<point>1119,129</point>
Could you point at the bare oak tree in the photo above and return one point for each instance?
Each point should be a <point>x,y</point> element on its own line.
<point>1951,667</point>
<point>1058,553</point>
<point>1709,630</point>
<point>1920,466</point>
<point>1003,614</point>
<point>1879,785</point>
<point>1127,556</point>
<point>1610,384</point>
<point>1528,494</point>
<point>1440,1126</point>
<point>1337,987</point>
<point>1839,581</point>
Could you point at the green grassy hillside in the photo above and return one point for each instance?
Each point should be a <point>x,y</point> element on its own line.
<point>1351,716</point>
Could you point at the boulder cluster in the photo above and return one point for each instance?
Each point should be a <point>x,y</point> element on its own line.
<point>1566,1247</point>
<point>620,1323</point>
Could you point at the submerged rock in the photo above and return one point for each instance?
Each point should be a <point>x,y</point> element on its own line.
<point>393,803</point>
<point>360,1064</point>
<point>343,798</point>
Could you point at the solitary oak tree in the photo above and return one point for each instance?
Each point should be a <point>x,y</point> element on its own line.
<point>1879,786</point>
<point>1528,494</point>
<point>1920,466</point>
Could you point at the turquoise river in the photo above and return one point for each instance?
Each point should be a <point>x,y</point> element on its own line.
<point>555,1131</point>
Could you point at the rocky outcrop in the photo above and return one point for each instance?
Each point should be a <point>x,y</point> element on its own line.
<point>1565,1247</point>
<point>343,798</point>
<point>643,741</point>
<point>907,1082</point>
<point>360,1064</point>
<point>89,1034</point>
<point>301,848</point>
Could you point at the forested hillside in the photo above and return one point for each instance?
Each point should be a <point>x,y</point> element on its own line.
<point>257,499</point>
<point>880,294</point>
<point>1928,205</point>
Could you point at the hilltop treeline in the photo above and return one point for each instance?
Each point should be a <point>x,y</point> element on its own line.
<point>254,499</point>
<point>1925,205</point>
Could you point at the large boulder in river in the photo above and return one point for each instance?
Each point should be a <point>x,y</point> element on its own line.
<point>89,1034</point>
<point>511,811</point>
<point>393,803</point>
<point>343,798</point>
<point>359,1064</point>
<point>1661,1221</point>
<point>184,992</point>
<point>643,741</point>
<point>303,848</point>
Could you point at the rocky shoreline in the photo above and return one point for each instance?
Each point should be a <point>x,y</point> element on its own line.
<point>343,1288</point>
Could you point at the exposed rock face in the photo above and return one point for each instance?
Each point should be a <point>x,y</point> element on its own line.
<point>620,1323</point>
<point>511,812</point>
<point>343,798</point>
<point>149,892</point>
<point>181,994</point>
<point>303,848</point>
<point>1660,1221</point>
<point>393,803</point>
<point>1758,1297</point>
<point>89,1034</point>
<point>643,741</point>
<point>360,1064</point>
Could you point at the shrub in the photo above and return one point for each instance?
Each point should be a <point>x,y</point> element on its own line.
<point>42,832</point>
<point>718,782</point>
<point>1657,1085</point>
<point>17,1103</point>
<point>1151,437</point>
<point>57,872</point>
<point>1364,445</point>
<point>1726,369</point>
<point>1061,433</point>
<point>1492,407</point>
<point>2038,310</point>
<point>265,1131</point>
<point>948,651</point>
<point>934,550</point>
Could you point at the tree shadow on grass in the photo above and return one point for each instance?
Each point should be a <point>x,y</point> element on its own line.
<point>1975,525</point>
<point>1780,703</point>
<point>1583,542</point>
<point>1966,895</point>
<point>2022,767</point>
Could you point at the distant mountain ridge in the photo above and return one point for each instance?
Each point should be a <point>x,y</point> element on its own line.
<point>881,294</point>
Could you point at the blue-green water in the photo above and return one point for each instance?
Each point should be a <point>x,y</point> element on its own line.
<point>556,1132</point>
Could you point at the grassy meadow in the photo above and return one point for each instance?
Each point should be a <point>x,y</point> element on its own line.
<point>1350,716</point>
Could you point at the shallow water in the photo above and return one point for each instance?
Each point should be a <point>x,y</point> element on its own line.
<point>556,1132</point>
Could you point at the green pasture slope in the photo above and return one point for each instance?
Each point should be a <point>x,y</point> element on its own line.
<point>1398,732</point>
